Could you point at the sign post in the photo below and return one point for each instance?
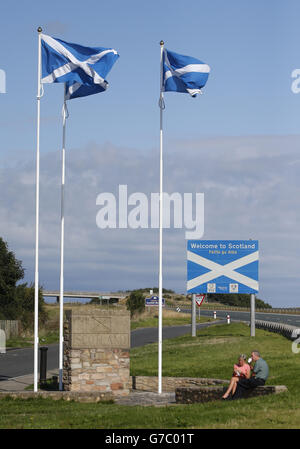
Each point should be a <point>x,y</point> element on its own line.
<point>194,315</point>
<point>252,314</point>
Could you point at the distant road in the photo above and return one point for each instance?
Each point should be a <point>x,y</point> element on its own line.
<point>293,320</point>
<point>19,362</point>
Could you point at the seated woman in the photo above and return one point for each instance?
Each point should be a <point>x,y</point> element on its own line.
<point>240,371</point>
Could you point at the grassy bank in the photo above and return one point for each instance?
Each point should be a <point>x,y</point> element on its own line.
<point>211,354</point>
<point>48,332</point>
<point>170,318</point>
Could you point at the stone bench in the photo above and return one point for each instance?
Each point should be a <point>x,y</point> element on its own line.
<point>206,394</point>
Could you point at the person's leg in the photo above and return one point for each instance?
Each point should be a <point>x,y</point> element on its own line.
<point>246,384</point>
<point>234,387</point>
<point>241,387</point>
<point>232,384</point>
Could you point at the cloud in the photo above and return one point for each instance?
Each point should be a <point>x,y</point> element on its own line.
<point>251,189</point>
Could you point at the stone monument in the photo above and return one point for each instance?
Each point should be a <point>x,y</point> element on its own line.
<point>96,350</point>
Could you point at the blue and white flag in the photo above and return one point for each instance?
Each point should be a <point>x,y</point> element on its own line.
<point>183,73</point>
<point>83,69</point>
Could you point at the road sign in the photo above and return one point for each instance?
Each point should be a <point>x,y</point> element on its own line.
<point>199,299</point>
<point>222,266</point>
<point>154,301</point>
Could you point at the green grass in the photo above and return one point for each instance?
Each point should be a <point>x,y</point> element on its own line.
<point>214,351</point>
<point>167,321</point>
<point>19,342</point>
<point>26,342</point>
<point>211,354</point>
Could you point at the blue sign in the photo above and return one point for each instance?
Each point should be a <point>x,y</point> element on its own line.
<point>222,266</point>
<point>154,301</point>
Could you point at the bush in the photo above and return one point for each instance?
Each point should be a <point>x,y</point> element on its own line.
<point>238,299</point>
<point>136,302</point>
<point>25,306</point>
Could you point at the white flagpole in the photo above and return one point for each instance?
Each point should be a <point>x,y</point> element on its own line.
<point>161,105</point>
<point>37,200</point>
<point>62,235</point>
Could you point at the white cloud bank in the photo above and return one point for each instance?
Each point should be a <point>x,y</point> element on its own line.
<point>251,187</point>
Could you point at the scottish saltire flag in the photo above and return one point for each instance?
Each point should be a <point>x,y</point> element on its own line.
<point>183,73</point>
<point>83,69</point>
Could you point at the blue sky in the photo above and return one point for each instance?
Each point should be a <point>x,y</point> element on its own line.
<point>251,47</point>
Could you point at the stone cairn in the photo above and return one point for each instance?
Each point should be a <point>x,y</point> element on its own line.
<point>96,351</point>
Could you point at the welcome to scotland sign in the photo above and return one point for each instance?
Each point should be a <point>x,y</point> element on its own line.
<point>222,266</point>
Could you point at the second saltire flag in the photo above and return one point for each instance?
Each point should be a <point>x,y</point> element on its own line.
<point>183,73</point>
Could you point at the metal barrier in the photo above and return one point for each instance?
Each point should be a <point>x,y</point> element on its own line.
<point>286,330</point>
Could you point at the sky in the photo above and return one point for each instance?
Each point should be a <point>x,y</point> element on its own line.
<point>238,143</point>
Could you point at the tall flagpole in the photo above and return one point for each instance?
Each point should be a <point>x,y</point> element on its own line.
<point>62,235</point>
<point>161,105</point>
<point>37,201</point>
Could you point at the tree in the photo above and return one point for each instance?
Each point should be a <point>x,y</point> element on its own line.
<point>16,301</point>
<point>11,272</point>
<point>136,302</point>
<point>237,299</point>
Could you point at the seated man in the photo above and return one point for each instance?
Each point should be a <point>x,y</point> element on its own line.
<point>259,376</point>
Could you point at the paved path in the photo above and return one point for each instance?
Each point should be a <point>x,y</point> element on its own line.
<point>21,382</point>
<point>147,398</point>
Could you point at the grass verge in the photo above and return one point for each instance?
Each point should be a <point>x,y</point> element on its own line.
<point>170,318</point>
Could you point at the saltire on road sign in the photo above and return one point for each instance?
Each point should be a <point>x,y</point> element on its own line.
<point>222,266</point>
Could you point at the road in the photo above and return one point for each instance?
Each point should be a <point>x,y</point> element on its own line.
<point>293,320</point>
<point>19,362</point>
